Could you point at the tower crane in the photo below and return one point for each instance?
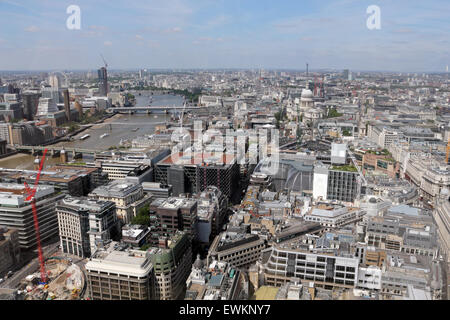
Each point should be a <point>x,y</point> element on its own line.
<point>104,61</point>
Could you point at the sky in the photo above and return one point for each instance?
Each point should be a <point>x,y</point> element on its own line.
<point>414,36</point>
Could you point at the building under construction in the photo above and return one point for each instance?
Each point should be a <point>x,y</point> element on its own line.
<point>194,173</point>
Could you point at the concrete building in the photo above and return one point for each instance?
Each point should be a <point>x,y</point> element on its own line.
<point>72,180</point>
<point>393,190</point>
<point>329,269</point>
<point>46,106</point>
<point>10,256</point>
<point>442,218</point>
<point>28,133</point>
<point>172,265</point>
<point>218,281</point>
<point>374,206</point>
<point>118,273</point>
<point>103,87</point>
<point>121,169</point>
<point>404,271</point>
<point>84,224</point>
<point>342,183</point>
<point>332,215</point>
<point>4,132</point>
<point>397,233</point>
<point>211,211</point>
<point>3,149</point>
<point>239,250</point>
<point>193,174</point>
<point>135,235</point>
<point>16,212</point>
<point>30,102</point>
<point>11,110</point>
<point>175,214</point>
<point>158,190</point>
<point>129,197</point>
<point>369,278</point>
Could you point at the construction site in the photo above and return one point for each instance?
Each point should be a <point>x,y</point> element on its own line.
<point>65,281</point>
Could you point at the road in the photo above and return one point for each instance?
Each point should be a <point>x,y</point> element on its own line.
<point>445,278</point>
<point>33,266</point>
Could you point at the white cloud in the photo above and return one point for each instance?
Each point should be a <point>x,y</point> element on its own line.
<point>173,30</point>
<point>32,29</point>
<point>107,43</point>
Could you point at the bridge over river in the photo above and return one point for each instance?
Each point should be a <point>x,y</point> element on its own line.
<point>154,109</point>
<point>56,150</point>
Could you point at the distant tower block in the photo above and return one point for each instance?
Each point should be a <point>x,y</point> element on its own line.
<point>63,156</point>
<point>36,163</point>
<point>67,104</point>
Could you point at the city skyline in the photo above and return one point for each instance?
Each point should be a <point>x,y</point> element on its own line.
<point>225,35</point>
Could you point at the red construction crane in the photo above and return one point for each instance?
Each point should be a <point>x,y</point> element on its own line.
<point>31,193</point>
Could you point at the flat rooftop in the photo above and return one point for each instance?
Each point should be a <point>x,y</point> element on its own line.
<point>265,293</point>
<point>174,203</point>
<point>118,188</point>
<point>197,158</point>
<point>16,194</point>
<point>117,259</point>
<point>86,203</point>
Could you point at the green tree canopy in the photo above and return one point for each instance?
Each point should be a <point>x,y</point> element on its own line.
<point>142,217</point>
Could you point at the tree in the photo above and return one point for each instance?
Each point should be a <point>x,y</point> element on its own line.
<point>346,133</point>
<point>277,116</point>
<point>145,247</point>
<point>333,113</point>
<point>142,217</point>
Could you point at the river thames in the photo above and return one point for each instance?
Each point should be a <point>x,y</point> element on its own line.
<point>120,126</point>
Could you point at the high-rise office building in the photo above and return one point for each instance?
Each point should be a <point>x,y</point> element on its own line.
<point>117,272</point>
<point>51,93</point>
<point>345,74</point>
<point>326,270</point>
<point>46,106</point>
<point>76,230</point>
<point>30,104</point>
<point>16,212</point>
<point>54,81</point>
<point>66,103</point>
<point>342,184</point>
<point>102,81</point>
<point>176,214</point>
